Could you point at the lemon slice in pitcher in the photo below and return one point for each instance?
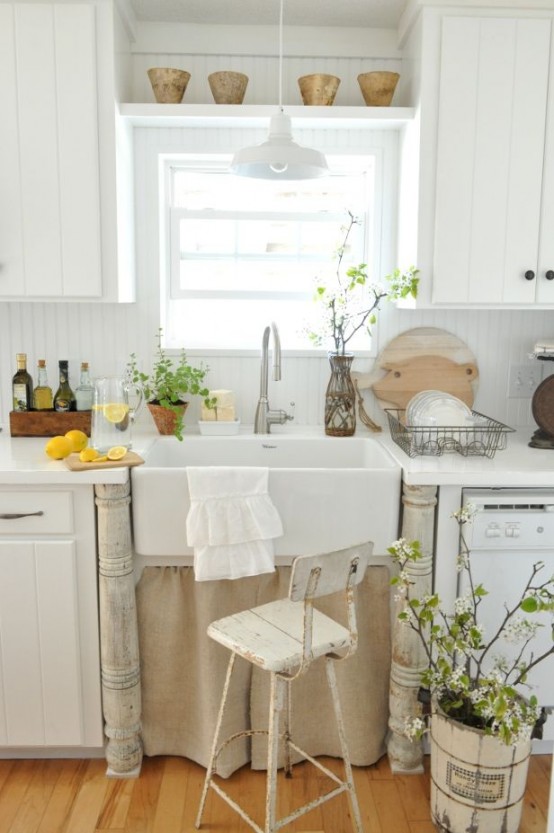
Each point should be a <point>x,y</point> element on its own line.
<point>116,412</point>
<point>117,452</point>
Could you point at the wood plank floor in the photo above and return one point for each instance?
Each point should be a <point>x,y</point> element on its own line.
<point>74,796</point>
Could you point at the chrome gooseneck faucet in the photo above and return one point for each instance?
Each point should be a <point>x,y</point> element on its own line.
<point>265,417</point>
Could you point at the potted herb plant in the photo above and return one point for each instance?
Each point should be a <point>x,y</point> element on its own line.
<point>480,714</point>
<point>347,304</point>
<point>167,385</point>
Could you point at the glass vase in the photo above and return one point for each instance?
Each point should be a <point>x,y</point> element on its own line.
<point>340,398</point>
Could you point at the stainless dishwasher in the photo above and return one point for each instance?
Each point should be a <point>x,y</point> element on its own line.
<point>511,530</point>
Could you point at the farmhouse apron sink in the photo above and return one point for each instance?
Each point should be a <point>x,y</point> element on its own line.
<point>330,492</point>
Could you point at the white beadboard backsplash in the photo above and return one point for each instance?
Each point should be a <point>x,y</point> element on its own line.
<point>105,335</point>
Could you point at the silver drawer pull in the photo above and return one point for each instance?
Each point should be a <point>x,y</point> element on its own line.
<point>13,516</point>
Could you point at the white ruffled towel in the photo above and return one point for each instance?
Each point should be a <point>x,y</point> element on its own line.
<point>231,522</point>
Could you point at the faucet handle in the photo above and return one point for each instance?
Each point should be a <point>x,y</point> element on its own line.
<point>290,417</point>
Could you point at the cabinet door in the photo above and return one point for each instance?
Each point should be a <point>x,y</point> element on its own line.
<point>491,136</point>
<point>50,208</point>
<point>40,649</point>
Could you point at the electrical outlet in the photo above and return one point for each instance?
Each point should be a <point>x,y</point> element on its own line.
<point>524,380</point>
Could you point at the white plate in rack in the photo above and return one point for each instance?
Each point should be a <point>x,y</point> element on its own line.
<point>438,409</point>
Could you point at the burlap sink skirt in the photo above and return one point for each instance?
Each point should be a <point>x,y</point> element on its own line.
<point>183,671</point>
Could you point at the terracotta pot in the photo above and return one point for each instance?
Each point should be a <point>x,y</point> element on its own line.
<point>318,89</point>
<point>165,418</point>
<point>228,87</point>
<point>168,84</point>
<point>378,87</point>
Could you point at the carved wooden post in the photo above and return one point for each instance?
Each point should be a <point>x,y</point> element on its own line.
<point>408,658</point>
<point>118,632</point>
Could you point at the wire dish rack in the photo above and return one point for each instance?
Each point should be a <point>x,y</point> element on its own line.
<point>483,439</point>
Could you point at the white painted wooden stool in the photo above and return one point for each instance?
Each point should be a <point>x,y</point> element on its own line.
<point>284,637</point>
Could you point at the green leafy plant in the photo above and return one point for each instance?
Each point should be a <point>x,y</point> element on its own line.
<point>170,380</point>
<point>465,678</point>
<point>349,302</point>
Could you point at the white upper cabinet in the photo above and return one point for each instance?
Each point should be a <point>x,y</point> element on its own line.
<point>57,177</point>
<point>490,162</point>
<point>477,176</point>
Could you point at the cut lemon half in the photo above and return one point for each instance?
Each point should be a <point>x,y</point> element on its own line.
<point>87,455</point>
<point>116,412</point>
<point>117,452</point>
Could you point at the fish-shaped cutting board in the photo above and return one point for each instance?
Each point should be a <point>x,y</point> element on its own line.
<point>425,358</point>
<point>404,379</point>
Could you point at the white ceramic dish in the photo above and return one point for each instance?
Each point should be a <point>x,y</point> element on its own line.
<point>438,409</point>
<point>214,428</point>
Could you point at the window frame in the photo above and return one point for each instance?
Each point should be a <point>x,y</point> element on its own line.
<point>377,216</point>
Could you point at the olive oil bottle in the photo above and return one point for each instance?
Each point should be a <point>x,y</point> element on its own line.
<point>64,400</point>
<point>22,385</point>
<point>42,394</point>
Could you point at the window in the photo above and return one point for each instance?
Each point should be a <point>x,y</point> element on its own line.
<point>243,252</point>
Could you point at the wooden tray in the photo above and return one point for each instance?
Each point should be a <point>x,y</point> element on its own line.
<point>131,459</point>
<point>48,423</point>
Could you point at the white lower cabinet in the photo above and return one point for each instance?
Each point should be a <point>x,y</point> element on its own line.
<point>49,637</point>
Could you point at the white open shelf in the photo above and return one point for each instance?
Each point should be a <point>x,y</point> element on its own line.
<point>258,115</point>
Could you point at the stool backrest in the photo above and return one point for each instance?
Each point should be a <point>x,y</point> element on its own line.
<point>313,576</point>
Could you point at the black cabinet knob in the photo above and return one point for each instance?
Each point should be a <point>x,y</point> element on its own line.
<point>549,275</point>
<point>529,275</point>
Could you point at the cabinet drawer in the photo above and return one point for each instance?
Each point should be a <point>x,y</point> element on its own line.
<point>35,512</point>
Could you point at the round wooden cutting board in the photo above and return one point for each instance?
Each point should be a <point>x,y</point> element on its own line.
<point>425,358</point>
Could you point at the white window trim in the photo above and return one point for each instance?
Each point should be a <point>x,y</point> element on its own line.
<point>386,170</point>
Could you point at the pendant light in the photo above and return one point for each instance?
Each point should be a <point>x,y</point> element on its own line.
<point>279,157</point>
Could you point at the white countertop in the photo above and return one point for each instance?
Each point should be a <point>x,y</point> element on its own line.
<point>22,460</point>
<point>517,465</point>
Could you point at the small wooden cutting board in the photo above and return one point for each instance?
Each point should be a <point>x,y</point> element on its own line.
<point>131,459</point>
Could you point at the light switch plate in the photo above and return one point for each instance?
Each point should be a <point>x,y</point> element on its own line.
<point>524,379</point>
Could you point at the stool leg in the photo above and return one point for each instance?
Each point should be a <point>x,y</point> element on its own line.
<point>210,771</point>
<point>332,680</point>
<point>287,715</point>
<point>275,707</point>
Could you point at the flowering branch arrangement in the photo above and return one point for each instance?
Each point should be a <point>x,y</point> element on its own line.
<point>466,678</point>
<point>350,302</point>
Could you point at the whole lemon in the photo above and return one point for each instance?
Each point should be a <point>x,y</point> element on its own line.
<point>78,439</point>
<point>58,447</point>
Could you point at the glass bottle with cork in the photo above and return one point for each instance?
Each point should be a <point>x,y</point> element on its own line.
<point>42,394</point>
<point>22,385</point>
<point>84,392</point>
<point>64,400</point>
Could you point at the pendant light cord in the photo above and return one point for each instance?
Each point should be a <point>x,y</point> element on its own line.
<point>281,57</point>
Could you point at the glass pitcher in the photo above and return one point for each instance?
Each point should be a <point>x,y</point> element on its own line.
<point>112,416</point>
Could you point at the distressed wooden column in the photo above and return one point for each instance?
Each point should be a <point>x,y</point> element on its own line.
<point>408,658</point>
<point>119,649</point>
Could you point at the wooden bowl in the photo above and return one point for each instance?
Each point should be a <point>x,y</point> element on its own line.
<point>228,87</point>
<point>318,88</point>
<point>378,87</point>
<point>168,84</point>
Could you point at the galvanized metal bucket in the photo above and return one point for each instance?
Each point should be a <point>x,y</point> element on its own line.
<point>477,782</point>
